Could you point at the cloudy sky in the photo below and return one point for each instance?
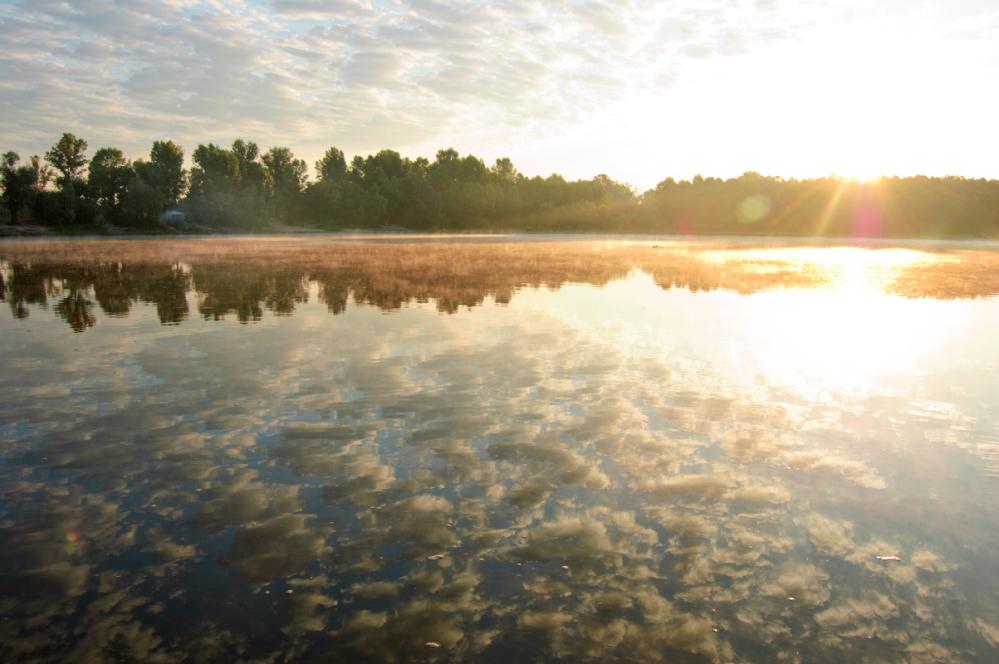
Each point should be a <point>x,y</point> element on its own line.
<point>638,90</point>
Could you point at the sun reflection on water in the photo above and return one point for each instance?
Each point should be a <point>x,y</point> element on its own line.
<point>569,452</point>
<point>849,334</point>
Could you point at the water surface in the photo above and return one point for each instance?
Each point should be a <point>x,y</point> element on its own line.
<point>278,449</point>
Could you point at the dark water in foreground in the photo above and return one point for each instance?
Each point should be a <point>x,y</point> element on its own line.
<point>276,450</point>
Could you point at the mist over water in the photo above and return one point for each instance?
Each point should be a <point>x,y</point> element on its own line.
<point>313,450</point>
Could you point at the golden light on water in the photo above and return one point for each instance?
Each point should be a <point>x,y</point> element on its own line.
<point>854,268</point>
<point>812,318</point>
<point>849,334</point>
<point>728,441</point>
<point>830,325</point>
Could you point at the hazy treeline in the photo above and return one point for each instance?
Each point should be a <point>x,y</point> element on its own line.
<point>67,188</point>
<point>241,188</point>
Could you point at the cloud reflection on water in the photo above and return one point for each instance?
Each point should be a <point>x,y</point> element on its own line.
<point>500,481</point>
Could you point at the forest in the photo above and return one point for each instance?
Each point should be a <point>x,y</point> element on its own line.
<point>241,189</point>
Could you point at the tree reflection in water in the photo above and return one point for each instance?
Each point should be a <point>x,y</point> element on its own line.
<point>476,487</point>
<point>245,278</point>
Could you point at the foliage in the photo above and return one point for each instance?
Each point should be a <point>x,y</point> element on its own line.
<point>240,188</point>
<point>285,177</point>
<point>332,167</point>
<point>109,176</point>
<point>68,156</point>
<point>18,184</point>
<point>142,203</point>
<point>164,171</point>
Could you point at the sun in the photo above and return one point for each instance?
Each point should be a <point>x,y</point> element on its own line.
<point>863,176</point>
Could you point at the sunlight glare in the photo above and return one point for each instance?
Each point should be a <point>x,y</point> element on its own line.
<point>849,335</point>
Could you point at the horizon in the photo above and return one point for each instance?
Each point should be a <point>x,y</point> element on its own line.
<point>492,330</point>
<point>793,90</point>
<point>311,175</point>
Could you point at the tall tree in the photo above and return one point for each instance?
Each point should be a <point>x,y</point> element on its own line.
<point>251,171</point>
<point>165,170</point>
<point>68,156</point>
<point>333,166</point>
<point>285,173</point>
<point>142,203</point>
<point>215,170</point>
<point>43,172</point>
<point>109,176</point>
<point>504,170</point>
<point>18,183</point>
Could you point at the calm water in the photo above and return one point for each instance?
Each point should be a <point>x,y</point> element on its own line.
<point>311,450</point>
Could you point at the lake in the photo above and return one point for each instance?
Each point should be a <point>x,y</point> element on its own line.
<point>496,449</point>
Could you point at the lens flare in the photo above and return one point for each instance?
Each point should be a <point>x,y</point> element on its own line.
<point>754,208</point>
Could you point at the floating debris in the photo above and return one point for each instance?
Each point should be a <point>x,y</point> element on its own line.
<point>790,599</point>
<point>889,558</point>
<point>436,556</point>
<point>290,591</point>
<point>565,567</point>
<point>432,644</point>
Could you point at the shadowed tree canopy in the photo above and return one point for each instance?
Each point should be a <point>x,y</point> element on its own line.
<point>251,171</point>
<point>164,171</point>
<point>215,170</point>
<point>333,166</point>
<point>285,178</point>
<point>68,156</point>
<point>18,183</point>
<point>241,188</point>
<point>504,170</point>
<point>109,175</point>
<point>285,174</point>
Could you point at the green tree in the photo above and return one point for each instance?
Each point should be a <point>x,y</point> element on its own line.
<point>333,166</point>
<point>164,171</point>
<point>109,176</point>
<point>504,170</point>
<point>68,156</point>
<point>43,172</point>
<point>142,203</point>
<point>215,170</point>
<point>321,203</point>
<point>18,183</point>
<point>285,174</point>
<point>612,190</point>
<point>250,172</point>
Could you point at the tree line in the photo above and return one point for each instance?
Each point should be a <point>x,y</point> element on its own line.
<point>241,188</point>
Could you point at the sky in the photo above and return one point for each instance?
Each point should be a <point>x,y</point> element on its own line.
<point>637,90</point>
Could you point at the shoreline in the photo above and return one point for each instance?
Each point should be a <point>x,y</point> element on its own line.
<point>363,235</point>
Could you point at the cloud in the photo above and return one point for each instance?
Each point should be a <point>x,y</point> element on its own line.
<point>688,486</point>
<point>240,498</point>
<point>309,73</point>
<point>334,9</point>
<point>830,538</point>
<point>464,480</point>
<point>277,548</point>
